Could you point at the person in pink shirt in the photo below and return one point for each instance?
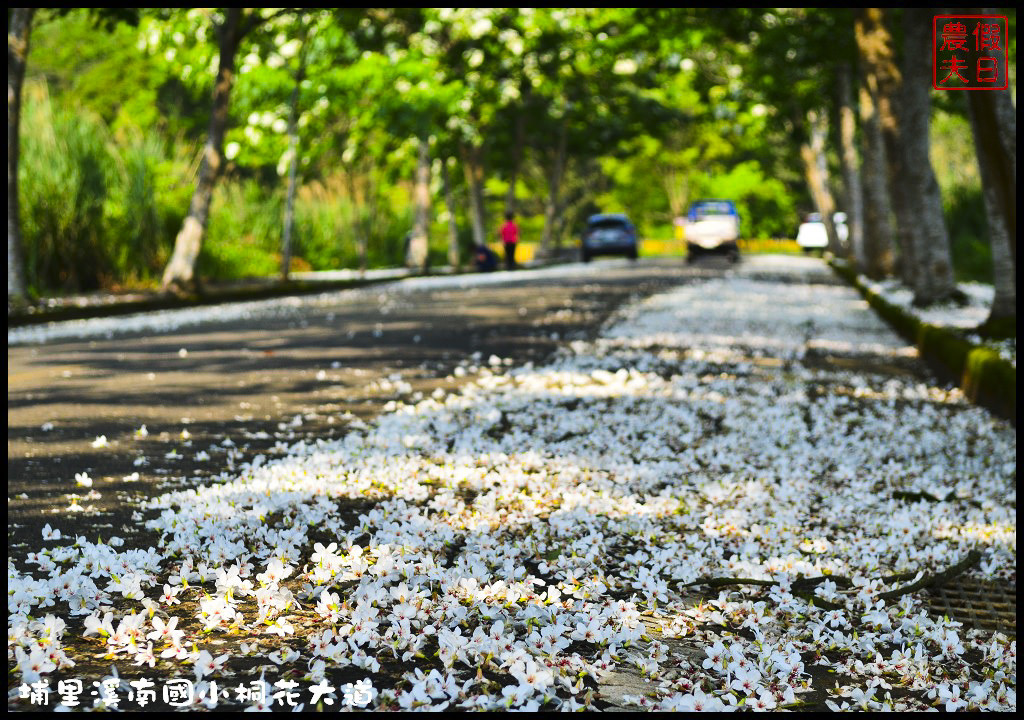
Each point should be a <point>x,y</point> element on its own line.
<point>509,238</point>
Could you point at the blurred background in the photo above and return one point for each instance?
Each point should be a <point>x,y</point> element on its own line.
<point>334,137</point>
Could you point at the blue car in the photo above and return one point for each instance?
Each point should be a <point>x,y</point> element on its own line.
<point>609,234</point>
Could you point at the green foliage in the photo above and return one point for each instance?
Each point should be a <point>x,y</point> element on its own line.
<point>64,177</point>
<point>147,205</point>
<point>956,169</point>
<point>659,107</point>
<point>631,187</point>
<point>95,212</point>
<point>111,72</point>
<point>244,233</point>
<point>328,225</point>
<point>765,207</point>
<point>321,223</point>
<point>966,221</point>
<point>951,144</point>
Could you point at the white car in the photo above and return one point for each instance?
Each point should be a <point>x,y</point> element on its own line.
<point>711,226</point>
<point>813,236</point>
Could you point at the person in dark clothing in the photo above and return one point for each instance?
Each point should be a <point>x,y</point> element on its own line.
<point>486,260</point>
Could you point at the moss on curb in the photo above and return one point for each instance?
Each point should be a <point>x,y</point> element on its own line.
<point>939,345</point>
<point>984,377</point>
<point>991,381</point>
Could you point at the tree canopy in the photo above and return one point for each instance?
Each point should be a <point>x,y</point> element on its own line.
<point>555,112</point>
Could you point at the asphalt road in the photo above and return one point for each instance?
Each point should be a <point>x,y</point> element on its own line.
<point>217,393</point>
<point>141,406</point>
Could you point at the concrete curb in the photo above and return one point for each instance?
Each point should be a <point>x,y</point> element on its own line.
<point>151,302</point>
<point>985,378</point>
<point>302,283</point>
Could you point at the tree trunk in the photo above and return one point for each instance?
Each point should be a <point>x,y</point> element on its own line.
<point>551,206</point>
<point>933,259</point>
<point>816,172</point>
<point>993,123</point>
<point>472,165</point>
<point>453,228</point>
<point>293,164</point>
<point>19,29</point>
<point>883,79</point>
<point>180,274</point>
<point>882,62</point>
<point>906,232</point>
<point>878,230</point>
<point>416,255</point>
<point>851,172</point>
<point>518,145</point>
<point>677,189</point>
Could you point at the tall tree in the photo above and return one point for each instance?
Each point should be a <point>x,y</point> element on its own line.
<point>994,125</point>
<point>595,82</point>
<point>853,189</point>
<point>448,103</point>
<point>230,27</point>
<point>306,104</point>
<point>933,265</point>
<point>793,56</point>
<point>293,158</point>
<point>471,155</point>
<point>518,147</point>
<point>993,122</point>
<point>556,173</point>
<point>879,255</point>
<point>812,153</point>
<point>454,257</point>
<point>19,28</point>
<point>419,240</point>
<point>881,155</point>
<point>180,274</point>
